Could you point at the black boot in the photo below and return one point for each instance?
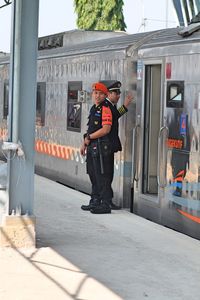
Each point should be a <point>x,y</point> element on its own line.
<point>93,203</point>
<point>101,209</point>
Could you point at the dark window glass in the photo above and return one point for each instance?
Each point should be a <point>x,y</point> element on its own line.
<point>5,99</point>
<point>40,103</point>
<point>175,94</point>
<point>74,107</point>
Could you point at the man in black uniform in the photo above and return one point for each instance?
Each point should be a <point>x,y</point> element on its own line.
<point>114,146</point>
<point>112,99</point>
<point>97,146</point>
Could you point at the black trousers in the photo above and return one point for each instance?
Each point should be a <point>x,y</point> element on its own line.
<point>101,183</point>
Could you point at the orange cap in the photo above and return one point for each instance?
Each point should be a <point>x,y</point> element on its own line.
<point>100,87</point>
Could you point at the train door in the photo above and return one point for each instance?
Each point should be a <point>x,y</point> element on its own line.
<point>146,188</point>
<point>151,130</point>
<point>166,151</point>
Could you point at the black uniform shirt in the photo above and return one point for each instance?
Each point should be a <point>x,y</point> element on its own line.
<point>99,115</point>
<point>114,134</point>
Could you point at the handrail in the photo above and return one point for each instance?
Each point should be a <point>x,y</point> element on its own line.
<point>134,169</point>
<point>137,171</point>
<point>135,154</point>
<point>164,155</point>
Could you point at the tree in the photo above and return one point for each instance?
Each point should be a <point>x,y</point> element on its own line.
<point>100,14</point>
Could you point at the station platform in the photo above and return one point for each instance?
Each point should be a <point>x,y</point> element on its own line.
<point>84,256</point>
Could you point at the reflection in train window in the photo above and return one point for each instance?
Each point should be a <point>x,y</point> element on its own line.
<point>40,103</point>
<point>73,106</point>
<point>175,94</point>
<point>5,99</point>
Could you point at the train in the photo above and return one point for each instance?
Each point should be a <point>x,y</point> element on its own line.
<point>157,173</point>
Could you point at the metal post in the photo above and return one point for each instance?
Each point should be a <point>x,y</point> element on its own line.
<point>167,12</point>
<point>22,105</point>
<point>179,12</point>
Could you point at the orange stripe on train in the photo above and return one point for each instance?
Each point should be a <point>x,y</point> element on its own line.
<point>189,216</point>
<point>56,150</point>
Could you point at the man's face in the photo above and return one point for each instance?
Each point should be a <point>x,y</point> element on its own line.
<point>114,96</point>
<point>98,96</point>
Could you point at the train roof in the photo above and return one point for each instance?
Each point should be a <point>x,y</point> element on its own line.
<point>113,41</point>
<point>172,36</point>
<point>119,42</point>
<point>109,44</point>
<point>131,42</point>
<point>75,37</point>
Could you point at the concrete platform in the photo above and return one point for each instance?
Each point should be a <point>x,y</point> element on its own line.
<point>84,256</point>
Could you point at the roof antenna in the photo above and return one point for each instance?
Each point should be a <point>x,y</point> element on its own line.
<point>166,16</point>
<point>143,23</point>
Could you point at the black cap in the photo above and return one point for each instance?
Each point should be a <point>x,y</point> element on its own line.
<point>112,85</point>
<point>115,85</point>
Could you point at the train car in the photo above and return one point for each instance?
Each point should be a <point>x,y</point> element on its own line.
<point>68,64</point>
<point>167,132</point>
<point>157,173</point>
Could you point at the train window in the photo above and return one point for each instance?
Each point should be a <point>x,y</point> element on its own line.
<point>40,103</point>
<point>5,99</point>
<point>74,107</point>
<point>175,94</point>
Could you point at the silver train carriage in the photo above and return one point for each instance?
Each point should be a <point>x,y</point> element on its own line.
<point>68,64</point>
<point>157,173</point>
<point>167,134</point>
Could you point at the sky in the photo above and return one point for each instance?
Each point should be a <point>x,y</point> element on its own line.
<point>58,16</point>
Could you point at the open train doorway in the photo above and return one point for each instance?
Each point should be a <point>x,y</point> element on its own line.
<point>151,129</point>
<point>146,191</point>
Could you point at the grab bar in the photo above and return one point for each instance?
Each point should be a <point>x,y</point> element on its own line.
<point>162,154</point>
<point>135,152</point>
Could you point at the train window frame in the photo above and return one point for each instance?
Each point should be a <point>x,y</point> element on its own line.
<point>5,99</point>
<point>74,107</point>
<point>175,94</point>
<point>40,103</point>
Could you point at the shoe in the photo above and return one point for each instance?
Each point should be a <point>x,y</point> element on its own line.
<point>93,203</point>
<point>101,209</point>
<point>86,207</point>
<point>114,206</point>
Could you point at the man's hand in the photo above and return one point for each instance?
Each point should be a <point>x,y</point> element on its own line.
<point>86,141</point>
<point>128,100</point>
<point>83,149</point>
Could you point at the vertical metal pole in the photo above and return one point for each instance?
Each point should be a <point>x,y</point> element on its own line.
<point>167,12</point>
<point>178,6</point>
<point>23,104</point>
<point>197,2</point>
<point>15,71</point>
<point>195,8</point>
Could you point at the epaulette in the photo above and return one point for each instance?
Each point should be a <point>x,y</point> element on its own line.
<point>122,110</point>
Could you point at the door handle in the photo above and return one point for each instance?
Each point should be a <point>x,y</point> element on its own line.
<point>162,156</point>
<point>135,154</point>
